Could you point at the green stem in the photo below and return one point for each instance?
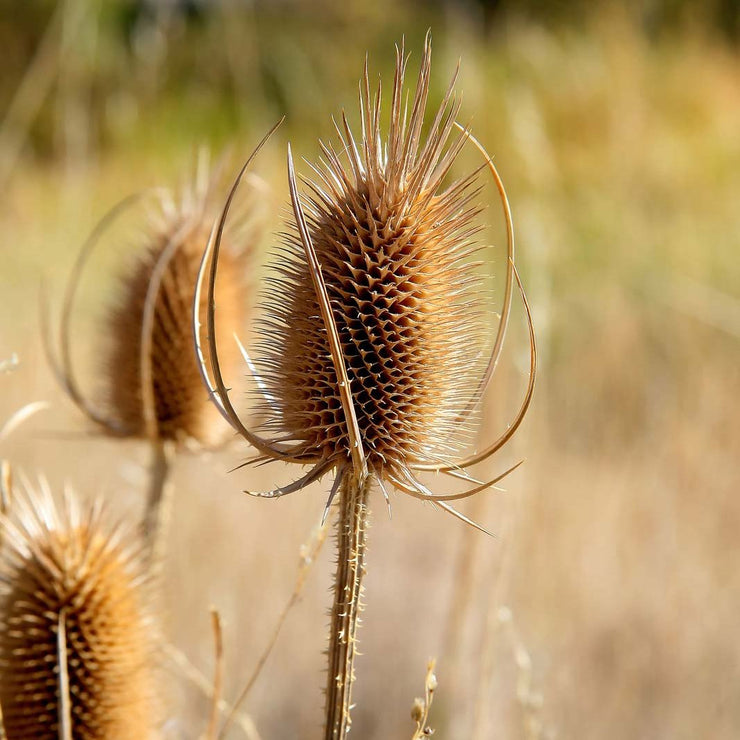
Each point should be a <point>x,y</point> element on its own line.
<point>351,548</point>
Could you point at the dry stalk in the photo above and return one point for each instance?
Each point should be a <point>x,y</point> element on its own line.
<point>421,707</point>
<point>158,509</point>
<point>36,84</point>
<point>218,674</point>
<point>462,597</point>
<point>352,525</point>
<point>498,576</point>
<point>189,671</point>
<point>309,553</point>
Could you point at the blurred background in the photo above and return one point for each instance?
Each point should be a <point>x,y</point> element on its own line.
<point>607,606</point>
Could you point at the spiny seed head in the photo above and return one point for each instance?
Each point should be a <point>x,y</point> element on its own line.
<point>166,274</point>
<point>395,245</point>
<point>67,564</point>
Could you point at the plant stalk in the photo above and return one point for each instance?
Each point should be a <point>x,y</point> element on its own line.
<point>158,503</point>
<point>351,548</point>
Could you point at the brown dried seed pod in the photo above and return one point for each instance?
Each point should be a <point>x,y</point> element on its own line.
<point>65,572</point>
<point>181,407</point>
<point>149,376</point>
<point>397,254</point>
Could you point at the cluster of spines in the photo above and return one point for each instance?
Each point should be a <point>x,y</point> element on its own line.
<point>77,633</point>
<point>181,409</point>
<point>397,255</point>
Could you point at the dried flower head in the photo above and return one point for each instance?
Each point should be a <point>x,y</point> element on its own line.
<point>181,409</point>
<point>149,372</point>
<point>76,633</point>
<point>373,342</point>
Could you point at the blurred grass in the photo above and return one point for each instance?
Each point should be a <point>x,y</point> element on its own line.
<point>618,551</point>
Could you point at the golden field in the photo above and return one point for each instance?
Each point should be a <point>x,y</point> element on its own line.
<point>606,606</point>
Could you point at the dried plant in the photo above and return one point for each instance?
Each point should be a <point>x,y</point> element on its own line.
<point>421,707</point>
<point>373,330</point>
<point>77,630</point>
<point>152,318</point>
<point>150,375</point>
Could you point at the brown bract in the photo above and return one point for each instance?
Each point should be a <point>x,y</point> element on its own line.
<point>66,571</point>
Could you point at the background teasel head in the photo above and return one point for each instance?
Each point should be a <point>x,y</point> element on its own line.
<point>77,629</point>
<point>373,345</point>
<point>151,386</point>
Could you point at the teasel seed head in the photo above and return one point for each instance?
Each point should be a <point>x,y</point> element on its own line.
<point>182,410</point>
<point>373,354</point>
<point>77,628</point>
<point>149,380</point>
<point>397,260</point>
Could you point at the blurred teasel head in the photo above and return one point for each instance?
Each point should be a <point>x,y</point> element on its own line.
<point>148,371</point>
<point>76,628</point>
<point>374,351</point>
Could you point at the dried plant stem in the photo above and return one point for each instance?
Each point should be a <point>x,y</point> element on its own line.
<point>463,593</point>
<point>420,710</point>
<point>499,580</point>
<point>37,82</point>
<point>351,548</point>
<point>218,675</point>
<point>186,668</point>
<point>159,501</point>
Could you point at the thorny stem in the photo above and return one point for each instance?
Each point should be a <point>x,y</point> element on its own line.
<point>351,548</point>
<point>158,503</point>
